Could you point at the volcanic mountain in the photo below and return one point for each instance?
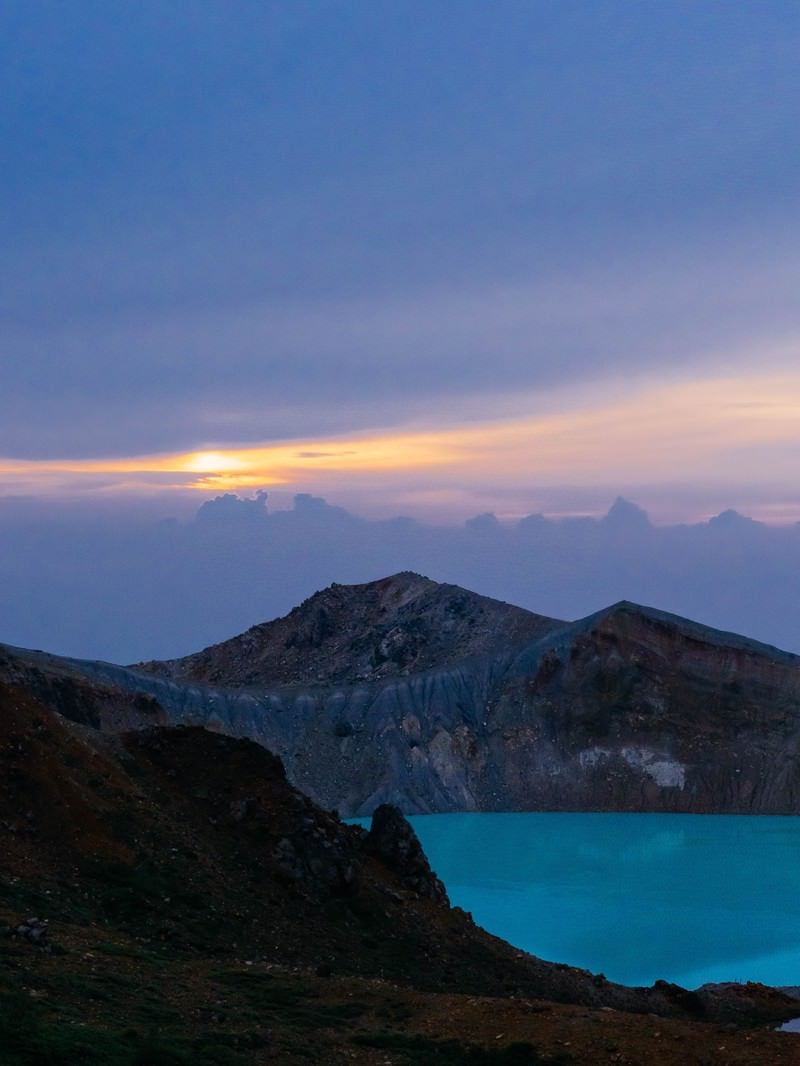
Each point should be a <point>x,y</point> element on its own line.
<point>344,634</point>
<point>435,699</point>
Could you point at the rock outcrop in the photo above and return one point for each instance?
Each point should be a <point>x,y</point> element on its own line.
<point>392,840</point>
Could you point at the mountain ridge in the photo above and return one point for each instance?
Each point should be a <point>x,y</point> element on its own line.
<point>711,634</point>
<point>373,631</point>
<point>631,708</point>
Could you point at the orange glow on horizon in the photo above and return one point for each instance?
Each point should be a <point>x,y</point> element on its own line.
<point>219,462</point>
<point>720,429</point>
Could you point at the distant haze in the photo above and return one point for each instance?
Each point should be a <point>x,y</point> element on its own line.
<point>125,586</point>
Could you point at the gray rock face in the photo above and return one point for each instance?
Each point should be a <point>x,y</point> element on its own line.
<point>629,709</point>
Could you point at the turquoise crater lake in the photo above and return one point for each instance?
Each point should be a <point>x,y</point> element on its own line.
<point>686,898</point>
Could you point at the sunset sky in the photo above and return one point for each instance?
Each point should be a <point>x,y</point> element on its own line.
<point>421,258</point>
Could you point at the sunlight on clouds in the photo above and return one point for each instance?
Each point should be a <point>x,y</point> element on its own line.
<point>674,432</point>
<point>216,461</point>
<point>720,429</point>
<point>295,462</point>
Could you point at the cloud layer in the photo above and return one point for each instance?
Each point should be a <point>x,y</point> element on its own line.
<point>124,587</point>
<point>720,434</point>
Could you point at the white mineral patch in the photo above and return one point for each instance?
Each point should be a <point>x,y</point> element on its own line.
<point>592,756</point>
<point>666,772</point>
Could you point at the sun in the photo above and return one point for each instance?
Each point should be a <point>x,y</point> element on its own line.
<point>212,462</point>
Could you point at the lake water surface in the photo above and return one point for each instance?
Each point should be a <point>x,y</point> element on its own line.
<point>687,898</point>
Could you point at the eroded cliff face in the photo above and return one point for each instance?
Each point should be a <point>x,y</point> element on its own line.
<point>638,710</point>
<point>630,709</point>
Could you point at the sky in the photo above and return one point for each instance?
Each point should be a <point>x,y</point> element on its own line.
<point>424,259</point>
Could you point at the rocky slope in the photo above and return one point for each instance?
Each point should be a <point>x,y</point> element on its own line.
<point>171,899</point>
<point>629,709</point>
<point>400,625</point>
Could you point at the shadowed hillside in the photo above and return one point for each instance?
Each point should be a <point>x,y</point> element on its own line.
<point>191,906</point>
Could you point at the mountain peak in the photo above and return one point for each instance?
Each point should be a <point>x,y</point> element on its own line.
<point>386,628</point>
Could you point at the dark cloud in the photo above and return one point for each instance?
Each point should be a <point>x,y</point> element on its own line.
<point>180,379</point>
<point>322,217</point>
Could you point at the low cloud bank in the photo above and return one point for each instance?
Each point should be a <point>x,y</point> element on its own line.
<point>135,589</point>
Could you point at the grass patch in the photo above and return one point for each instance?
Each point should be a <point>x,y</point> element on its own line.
<point>28,1038</point>
<point>130,892</point>
<point>426,1051</point>
<point>129,951</point>
<point>290,1003</point>
<point>19,897</point>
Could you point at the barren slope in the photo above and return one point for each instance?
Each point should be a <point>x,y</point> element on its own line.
<point>400,625</point>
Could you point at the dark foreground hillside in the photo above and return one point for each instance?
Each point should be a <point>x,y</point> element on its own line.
<point>199,910</point>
